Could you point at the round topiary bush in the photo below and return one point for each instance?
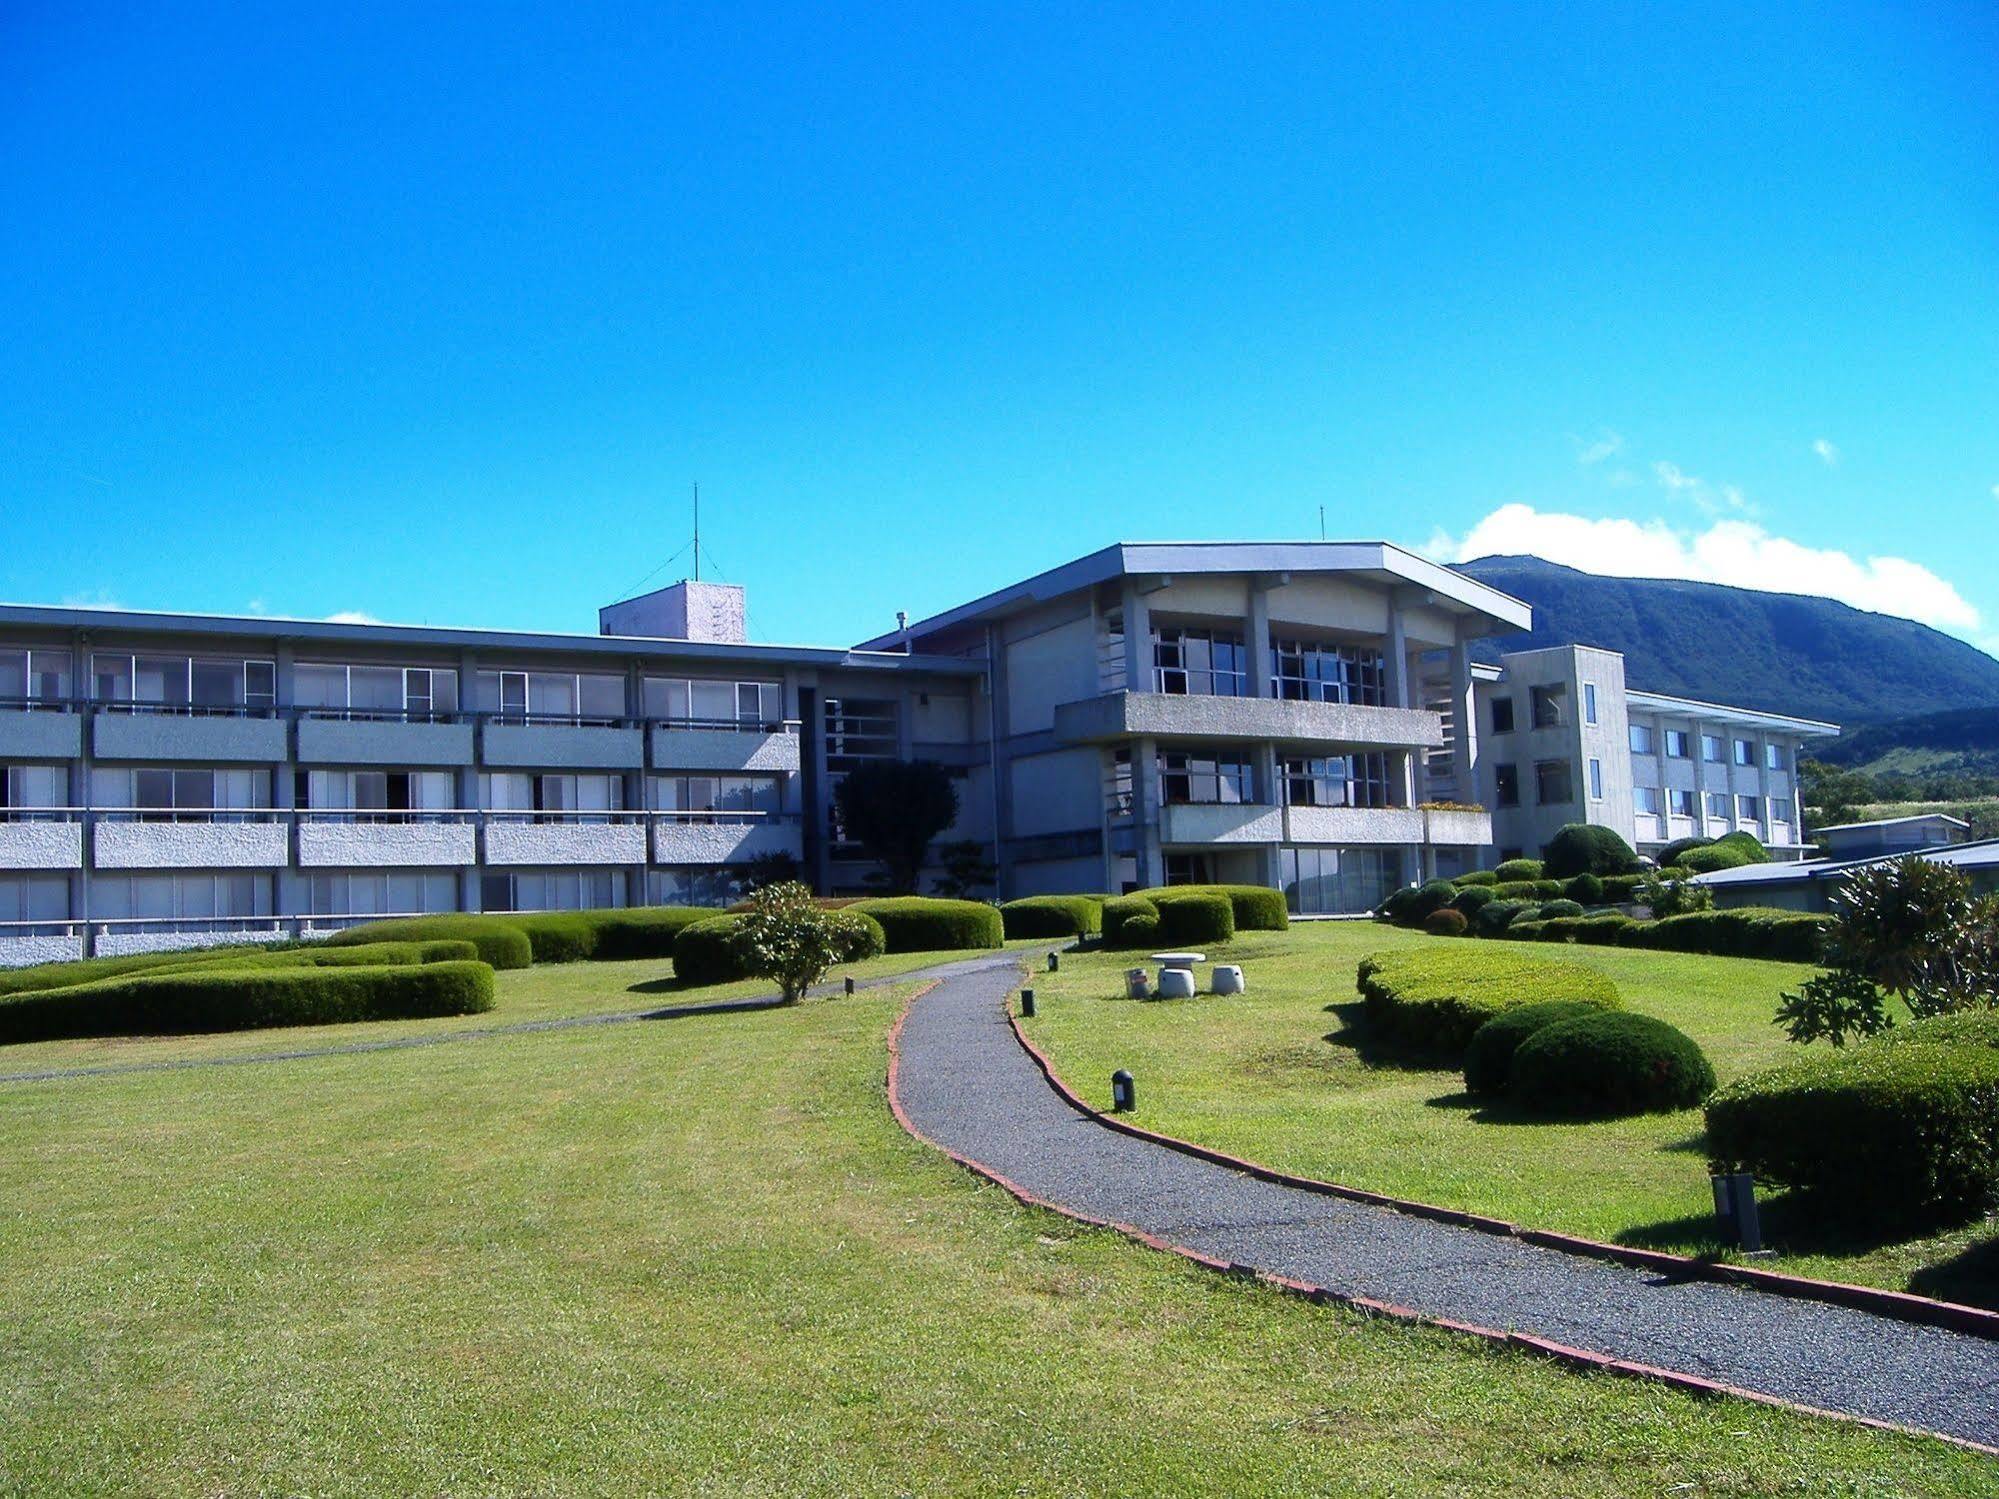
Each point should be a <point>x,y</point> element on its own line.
<point>1052,916</point>
<point>1586,889</point>
<point>1556,908</point>
<point>1472,899</point>
<point>1130,921</point>
<point>1435,997</point>
<point>1669,856</point>
<point>705,952</point>
<point>1493,918</point>
<point>921,923</point>
<point>1194,915</point>
<point>1745,843</point>
<point>1445,923</point>
<point>1715,856</point>
<point>1253,908</point>
<point>1433,896</point>
<point>1587,848</point>
<point>1517,869</point>
<point>1477,877</point>
<point>1609,1064</point>
<point>1489,1056</point>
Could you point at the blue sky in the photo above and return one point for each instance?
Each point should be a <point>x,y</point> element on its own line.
<point>397,312</point>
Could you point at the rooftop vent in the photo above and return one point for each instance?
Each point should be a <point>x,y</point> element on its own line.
<point>686,611</point>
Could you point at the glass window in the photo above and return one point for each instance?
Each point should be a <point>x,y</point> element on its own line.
<point>1318,671</point>
<point>1745,752</point>
<point>1711,748</point>
<point>1549,705</point>
<point>1682,803</point>
<point>1589,702</point>
<point>1337,781</point>
<point>1199,662</point>
<point>600,697</point>
<point>1596,779</point>
<point>1676,745</point>
<point>1645,800</point>
<point>1502,715</point>
<point>1554,782</point>
<point>1201,779</point>
<point>375,689</point>
<point>1336,881</point>
<point>33,676</point>
<point>1717,804</point>
<point>1641,739</point>
<point>1748,809</point>
<point>1780,809</point>
<point>1773,756</point>
<point>1506,785</point>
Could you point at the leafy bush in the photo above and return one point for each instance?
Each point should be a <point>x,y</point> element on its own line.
<point>1963,1028</point>
<point>1445,923</point>
<point>1130,921</point>
<point>1898,1134</point>
<point>785,937</point>
<point>1494,917</point>
<point>893,809</point>
<point>1477,877</point>
<point>501,940</point>
<point>1528,927</point>
<point>1665,897</point>
<point>226,998</point>
<point>1556,908</point>
<point>1672,853</point>
<point>705,952</point>
<point>1586,848</point>
<point>1472,899</point>
<point>1254,908</point>
<point>1052,916</point>
<point>1743,932</point>
<point>922,923</point>
<point>1715,856</point>
<point>1188,915</point>
<point>1518,869</point>
<point>1621,889</point>
<point>1600,931</point>
<point>1745,843</point>
<point>1609,1064</point>
<point>1489,1056</point>
<point>1585,889</point>
<point>642,931</point>
<point>1433,895</point>
<point>1437,997</point>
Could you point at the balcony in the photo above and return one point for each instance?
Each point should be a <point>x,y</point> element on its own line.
<point>1353,825</point>
<point>329,738</point>
<point>166,838</point>
<point>26,943</point>
<point>41,838</point>
<point>563,744</point>
<point>142,731</point>
<point>374,840</point>
<point>1460,827</point>
<point>723,837</point>
<point>1129,715</point>
<point>565,838</point>
<point>1225,822</point>
<point>31,730</point>
<point>725,747</point>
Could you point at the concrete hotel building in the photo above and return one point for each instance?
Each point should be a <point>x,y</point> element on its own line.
<point>1304,715</point>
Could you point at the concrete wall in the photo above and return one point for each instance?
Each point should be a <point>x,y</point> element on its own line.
<point>154,737</point>
<point>1057,792</point>
<point>676,842</point>
<point>563,747</point>
<point>1050,659</point>
<point>513,842</point>
<point>723,751</point>
<point>337,741</point>
<point>40,736</point>
<point>385,845</point>
<point>190,845</point>
<point>26,952</point>
<point>41,845</point>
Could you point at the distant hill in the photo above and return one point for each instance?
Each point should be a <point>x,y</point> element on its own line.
<point>1788,653</point>
<point>1959,741</point>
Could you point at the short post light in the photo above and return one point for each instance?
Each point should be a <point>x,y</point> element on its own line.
<point>1735,1210</point>
<point>1054,962</point>
<point>850,983</point>
<point>1027,1003</point>
<point>1124,1092</point>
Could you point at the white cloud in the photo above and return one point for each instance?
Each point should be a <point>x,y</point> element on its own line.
<point>1607,444</point>
<point>1732,551</point>
<point>1711,499</point>
<point>1827,451</point>
<point>352,617</point>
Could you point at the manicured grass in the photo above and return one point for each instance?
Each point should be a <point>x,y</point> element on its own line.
<point>699,1256</point>
<point>1287,1076</point>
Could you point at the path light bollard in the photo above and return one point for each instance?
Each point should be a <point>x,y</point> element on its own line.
<point>1054,962</point>
<point>1027,1003</point>
<point>1735,1210</point>
<point>850,983</point>
<point>1124,1092</point>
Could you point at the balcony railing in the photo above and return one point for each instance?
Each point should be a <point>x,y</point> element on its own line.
<point>40,705</point>
<point>744,724</point>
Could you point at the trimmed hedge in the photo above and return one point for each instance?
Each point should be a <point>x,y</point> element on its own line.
<point>1714,857</point>
<point>1903,1134</point>
<point>1494,917</point>
<point>1518,869</point>
<point>1052,916</point>
<point>1745,843</point>
<point>643,931</point>
<point>1190,915</point>
<point>1445,923</point>
<point>1412,904</point>
<point>1619,889</point>
<point>1585,889</point>
<point>1528,889</point>
<point>1489,1056</point>
<point>1253,908</point>
<point>1587,848</point>
<point>923,923</point>
<point>1130,921</point>
<point>1556,908</point>
<point>704,952</point>
<point>1474,898</point>
<point>1609,1064</point>
<point>1437,997</point>
<point>1477,877</point>
<point>1742,932</point>
<point>501,941</point>
<point>208,998</point>
<point>1965,1028</point>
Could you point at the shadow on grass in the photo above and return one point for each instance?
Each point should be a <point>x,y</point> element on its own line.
<point>1372,1050</point>
<point>1971,1276</point>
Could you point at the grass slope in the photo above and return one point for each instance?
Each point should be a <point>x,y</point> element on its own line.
<point>1287,1076</point>
<point>700,1257</point>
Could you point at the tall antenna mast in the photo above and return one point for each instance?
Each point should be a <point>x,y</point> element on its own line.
<point>1322,523</point>
<point>697,530</point>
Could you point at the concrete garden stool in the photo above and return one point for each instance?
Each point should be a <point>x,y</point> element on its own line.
<point>1176,973</point>
<point>1227,979</point>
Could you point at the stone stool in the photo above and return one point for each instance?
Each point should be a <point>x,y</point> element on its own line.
<point>1227,979</point>
<point>1176,983</point>
<point>1137,984</point>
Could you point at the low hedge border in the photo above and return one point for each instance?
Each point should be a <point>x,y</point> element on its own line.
<point>1052,916</point>
<point>1190,915</point>
<point>1130,921</point>
<point>1253,908</point>
<point>501,941</point>
<point>1437,997</point>
<point>230,999</point>
<point>705,951</point>
<point>923,923</point>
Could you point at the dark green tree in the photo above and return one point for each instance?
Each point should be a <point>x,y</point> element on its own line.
<point>893,809</point>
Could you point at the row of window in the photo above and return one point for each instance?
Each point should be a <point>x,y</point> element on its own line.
<point>1205,662</point>
<point>1714,749</point>
<point>1204,778</point>
<point>1646,801</point>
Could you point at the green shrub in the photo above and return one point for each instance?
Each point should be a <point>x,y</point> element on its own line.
<point>1586,889</point>
<point>1192,915</point>
<point>1477,877</point>
<point>1673,852</point>
<point>705,952</point>
<point>1474,898</point>
<point>1556,908</point>
<point>1606,929</point>
<point>1130,921</point>
<point>1528,928</point>
<point>1667,871</point>
<point>1518,869</point>
<point>1445,923</point>
<point>1961,1028</point>
<point>1715,856</point>
<point>633,932</point>
<point>1254,908</point>
<point>1743,932</point>
<point>1586,848</point>
<point>325,955</point>
<point>501,941</point>
<point>1052,916</point>
<point>1745,843</point>
<point>1437,997</point>
<point>923,923</point>
<point>226,998</point>
<point>1489,1056</point>
<point>1433,895</point>
<point>1610,1064</point>
<point>1621,889</point>
<point>558,936</point>
<point>1494,917</point>
<point>1899,1134</point>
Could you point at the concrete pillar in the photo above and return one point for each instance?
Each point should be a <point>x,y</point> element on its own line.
<point>1145,816</point>
<point>1262,659</point>
<point>1395,662</point>
<point>470,897</point>
<point>1464,710</point>
<point>1138,657</point>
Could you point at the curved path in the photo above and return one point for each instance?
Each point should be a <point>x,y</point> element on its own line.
<point>962,1082</point>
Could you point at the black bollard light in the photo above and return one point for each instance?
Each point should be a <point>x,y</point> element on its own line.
<point>850,983</point>
<point>1027,1003</point>
<point>1054,961</point>
<point>1124,1092</point>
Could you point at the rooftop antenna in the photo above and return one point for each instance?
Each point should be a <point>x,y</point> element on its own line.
<point>697,530</point>
<point>1322,523</point>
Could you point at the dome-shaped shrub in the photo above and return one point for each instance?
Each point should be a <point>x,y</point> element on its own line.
<point>1585,888</point>
<point>1587,848</point>
<point>1477,877</point>
<point>705,953</point>
<point>1493,918</point>
<point>1433,896</point>
<point>1613,1063</point>
<point>1471,899</point>
<point>1518,869</point>
<point>1489,1057</point>
<point>1130,921</point>
<point>1556,908</point>
<point>1715,856</point>
<point>1445,923</point>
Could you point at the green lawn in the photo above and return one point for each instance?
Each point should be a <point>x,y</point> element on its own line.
<point>1284,1076</point>
<point>699,1256</point>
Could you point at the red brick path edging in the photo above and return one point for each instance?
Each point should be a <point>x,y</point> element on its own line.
<point>1578,1358</point>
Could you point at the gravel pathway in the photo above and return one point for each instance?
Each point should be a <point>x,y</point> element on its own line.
<point>965,1084</point>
